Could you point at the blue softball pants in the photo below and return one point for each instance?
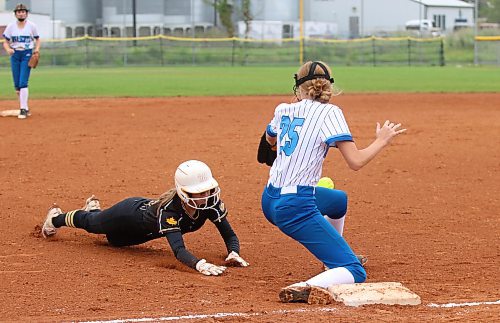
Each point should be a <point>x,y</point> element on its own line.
<point>294,211</point>
<point>331,202</point>
<point>20,69</point>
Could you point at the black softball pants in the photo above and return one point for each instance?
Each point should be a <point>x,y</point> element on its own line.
<point>122,223</point>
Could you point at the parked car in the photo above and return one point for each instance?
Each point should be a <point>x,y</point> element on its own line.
<point>461,23</point>
<point>423,27</point>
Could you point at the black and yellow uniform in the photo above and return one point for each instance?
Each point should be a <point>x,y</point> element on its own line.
<point>137,220</point>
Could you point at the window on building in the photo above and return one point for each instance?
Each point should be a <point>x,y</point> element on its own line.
<point>90,30</point>
<point>79,31</point>
<point>178,31</point>
<point>440,21</point>
<point>287,31</point>
<point>129,32</point>
<point>354,26</point>
<point>115,32</point>
<point>69,32</point>
<point>167,31</point>
<point>144,31</point>
<point>199,29</point>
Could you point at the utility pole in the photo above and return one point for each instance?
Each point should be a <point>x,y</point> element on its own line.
<point>476,15</point>
<point>134,21</point>
<point>362,19</point>
<point>53,29</point>
<point>53,19</point>
<point>301,30</point>
<point>215,13</point>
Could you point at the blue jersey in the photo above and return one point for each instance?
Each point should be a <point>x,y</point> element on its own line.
<point>304,130</point>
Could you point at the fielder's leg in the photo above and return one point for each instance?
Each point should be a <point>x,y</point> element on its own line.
<point>332,204</point>
<point>24,76</point>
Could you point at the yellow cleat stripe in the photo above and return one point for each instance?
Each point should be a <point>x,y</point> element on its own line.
<point>69,219</point>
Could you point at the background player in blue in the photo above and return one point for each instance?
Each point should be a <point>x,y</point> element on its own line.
<point>302,133</point>
<point>135,220</point>
<point>22,41</point>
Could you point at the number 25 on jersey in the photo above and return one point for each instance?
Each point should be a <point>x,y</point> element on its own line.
<point>289,127</point>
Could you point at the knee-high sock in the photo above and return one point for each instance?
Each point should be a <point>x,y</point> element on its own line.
<point>23,98</point>
<point>338,224</point>
<point>335,276</point>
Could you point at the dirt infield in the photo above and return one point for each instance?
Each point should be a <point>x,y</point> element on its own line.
<point>425,211</point>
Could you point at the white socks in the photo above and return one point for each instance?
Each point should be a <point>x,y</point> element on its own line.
<point>23,98</point>
<point>335,276</point>
<point>338,224</point>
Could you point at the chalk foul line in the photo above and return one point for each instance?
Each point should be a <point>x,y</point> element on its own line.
<point>300,310</point>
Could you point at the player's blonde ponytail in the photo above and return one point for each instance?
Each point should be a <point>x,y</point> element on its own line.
<point>165,198</point>
<point>320,90</point>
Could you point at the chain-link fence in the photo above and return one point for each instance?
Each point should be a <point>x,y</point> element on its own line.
<point>165,50</point>
<point>488,50</point>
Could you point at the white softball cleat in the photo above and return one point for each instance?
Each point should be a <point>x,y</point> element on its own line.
<point>48,229</point>
<point>92,204</point>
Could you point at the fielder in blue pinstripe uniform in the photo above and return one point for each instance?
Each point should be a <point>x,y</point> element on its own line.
<point>21,42</point>
<point>303,132</point>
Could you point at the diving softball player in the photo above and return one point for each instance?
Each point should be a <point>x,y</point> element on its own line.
<point>22,41</point>
<point>303,132</point>
<point>185,208</point>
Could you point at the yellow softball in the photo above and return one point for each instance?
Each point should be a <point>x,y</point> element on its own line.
<point>326,182</point>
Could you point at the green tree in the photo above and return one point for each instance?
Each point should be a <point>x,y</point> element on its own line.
<point>247,15</point>
<point>490,9</point>
<point>225,10</point>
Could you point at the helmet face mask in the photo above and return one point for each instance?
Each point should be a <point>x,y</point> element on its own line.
<point>196,186</point>
<point>208,200</point>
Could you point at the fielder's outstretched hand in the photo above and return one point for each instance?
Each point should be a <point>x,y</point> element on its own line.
<point>388,131</point>
<point>209,269</point>
<point>234,260</point>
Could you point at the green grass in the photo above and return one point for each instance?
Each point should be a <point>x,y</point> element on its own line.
<point>218,81</point>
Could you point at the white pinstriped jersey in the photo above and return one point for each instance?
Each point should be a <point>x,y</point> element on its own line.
<point>305,130</point>
<point>21,38</point>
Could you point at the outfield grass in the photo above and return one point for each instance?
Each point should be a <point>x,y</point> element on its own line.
<point>218,81</point>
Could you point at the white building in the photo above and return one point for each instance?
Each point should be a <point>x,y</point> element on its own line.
<point>43,22</point>
<point>352,18</point>
<point>274,19</point>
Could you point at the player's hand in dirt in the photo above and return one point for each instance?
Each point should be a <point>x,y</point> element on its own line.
<point>209,269</point>
<point>235,260</point>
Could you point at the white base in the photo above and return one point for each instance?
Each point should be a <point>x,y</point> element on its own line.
<point>9,113</point>
<point>390,293</point>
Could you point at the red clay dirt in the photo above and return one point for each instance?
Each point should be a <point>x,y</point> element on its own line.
<point>425,210</point>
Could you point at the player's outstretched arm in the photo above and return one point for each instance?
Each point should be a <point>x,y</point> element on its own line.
<point>183,255</point>
<point>358,158</point>
<point>232,242</point>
